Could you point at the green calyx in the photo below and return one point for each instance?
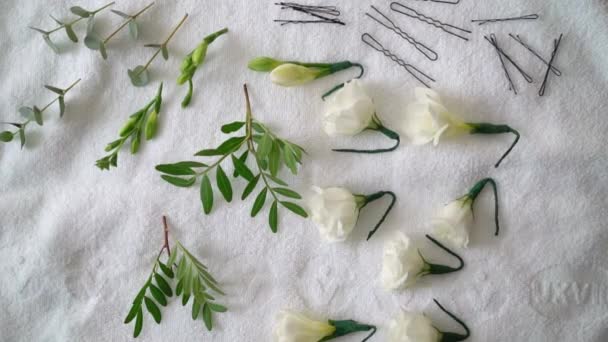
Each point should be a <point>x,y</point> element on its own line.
<point>476,190</point>
<point>345,327</point>
<point>488,128</point>
<point>193,60</point>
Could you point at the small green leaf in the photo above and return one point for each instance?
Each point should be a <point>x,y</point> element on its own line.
<point>6,136</point>
<point>133,29</point>
<point>61,106</point>
<point>196,309</point>
<point>175,169</point>
<point>139,76</point>
<point>274,159</point>
<point>55,90</point>
<point>132,312</point>
<point>71,34</point>
<point>287,193</point>
<point>276,179</point>
<point>242,158</point>
<point>37,115</point>
<point>135,142</point>
<point>50,43</point>
<point>159,98</point>
<point>158,295</point>
<point>181,182</point>
<point>258,127</point>
<point>162,283</point>
<point>92,41</point>
<point>230,145</point>
<point>22,137</point>
<point>265,146</point>
<point>273,217</point>
<point>152,309</point>
<point>217,307</point>
<point>207,317</point>
<point>208,153</point>
<point>242,168</point>
<point>79,11</point>
<point>232,127</point>
<point>151,125</point>
<point>206,194</point>
<point>290,159</point>
<point>122,14</point>
<point>166,270</point>
<point>139,322</point>
<point>250,187</point>
<point>102,50</point>
<point>223,183</point>
<point>191,164</point>
<point>259,202</point>
<point>39,30</point>
<point>179,288</point>
<point>164,51</point>
<point>296,209</point>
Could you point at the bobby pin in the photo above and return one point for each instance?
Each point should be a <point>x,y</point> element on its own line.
<point>329,10</point>
<point>520,41</point>
<point>492,40</point>
<point>426,51</point>
<point>556,43</point>
<point>412,13</point>
<point>443,1</point>
<point>504,67</point>
<point>314,11</point>
<point>412,70</point>
<point>523,17</point>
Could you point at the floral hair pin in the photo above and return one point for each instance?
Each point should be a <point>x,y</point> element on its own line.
<point>350,111</point>
<point>452,223</point>
<point>295,327</point>
<point>403,264</point>
<point>335,211</point>
<point>415,327</point>
<point>293,73</point>
<point>428,120</point>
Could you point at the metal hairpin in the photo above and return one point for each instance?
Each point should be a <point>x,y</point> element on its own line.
<point>320,12</point>
<point>329,10</point>
<point>492,40</point>
<point>516,37</point>
<point>523,17</point>
<point>412,13</point>
<point>556,43</point>
<point>456,2</point>
<point>502,62</point>
<point>412,70</point>
<point>426,51</point>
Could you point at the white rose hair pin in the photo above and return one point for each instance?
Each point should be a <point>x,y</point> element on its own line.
<point>403,264</point>
<point>293,73</point>
<point>350,111</point>
<point>452,223</point>
<point>295,327</point>
<point>416,327</point>
<point>335,211</point>
<point>428,120</point>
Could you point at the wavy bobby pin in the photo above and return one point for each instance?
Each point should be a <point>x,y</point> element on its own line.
<point>516,37</point>
<point>523,17</point>
<point>426,51</point>
<point>556,43</point>
<point>412,13</point>
<point>417,74</point>
<point>320,12</point>
<point>494,42</point>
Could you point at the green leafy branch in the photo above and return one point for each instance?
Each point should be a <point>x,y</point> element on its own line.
<point>139,75</point>
<point>193,60</point>
<point>144,121</point>
<point>270,154</point>
<point>68,27</point>
<point>35,114</point>
<point>193,280</point>
<point>94,42</point>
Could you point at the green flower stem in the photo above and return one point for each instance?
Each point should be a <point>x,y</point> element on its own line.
<point>333,68</point>
<point>376,125</point>
<point>80,18</point>
<point>449,336</point>
<point>488,128</point>
<point>133,17</point>
<point>163,44</point>
<point>476,189</point>
<point>363,200</point>
<point>441,269</point>
<point>345,327</point>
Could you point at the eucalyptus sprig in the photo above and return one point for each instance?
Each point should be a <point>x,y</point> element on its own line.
<point>139,75</point>
<point>68,27</point>
<point>193,280</point>
<point>36,114</point>
<point>94,42</point>
<point>193,60</point>
<point>269,152</point>
<point>144,121</point>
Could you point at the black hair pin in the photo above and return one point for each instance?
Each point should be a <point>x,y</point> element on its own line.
<point>320,12</point>
<point>444,1</point>
<point>494,42</point>
<point>412,70</point>
<point>412,13</point>
<point>425,50</point>
<point>496,20</point>
<point>556,43</point>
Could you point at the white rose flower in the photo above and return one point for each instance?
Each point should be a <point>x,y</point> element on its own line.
<point>452,222</point>
<point>428,120</point>
<point>294,327</point>
<point>412,327</point>
<point>289,75</point>
<point>402,264</point>
<point>348,111</point>
<point>334,211</point>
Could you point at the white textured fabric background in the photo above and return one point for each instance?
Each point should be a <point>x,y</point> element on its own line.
<point>76,243</point>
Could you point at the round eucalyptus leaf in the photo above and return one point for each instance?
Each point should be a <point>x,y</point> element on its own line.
<point>79,11</point>
<point>6,136</point>
<point>71,34</point>
<point>92,41</point>
<point>165,51</point>
<point>139,76</point>
<point>26,112</point>
<point>102,50</point>
<point>133,29</point>
<point>38,116</point>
